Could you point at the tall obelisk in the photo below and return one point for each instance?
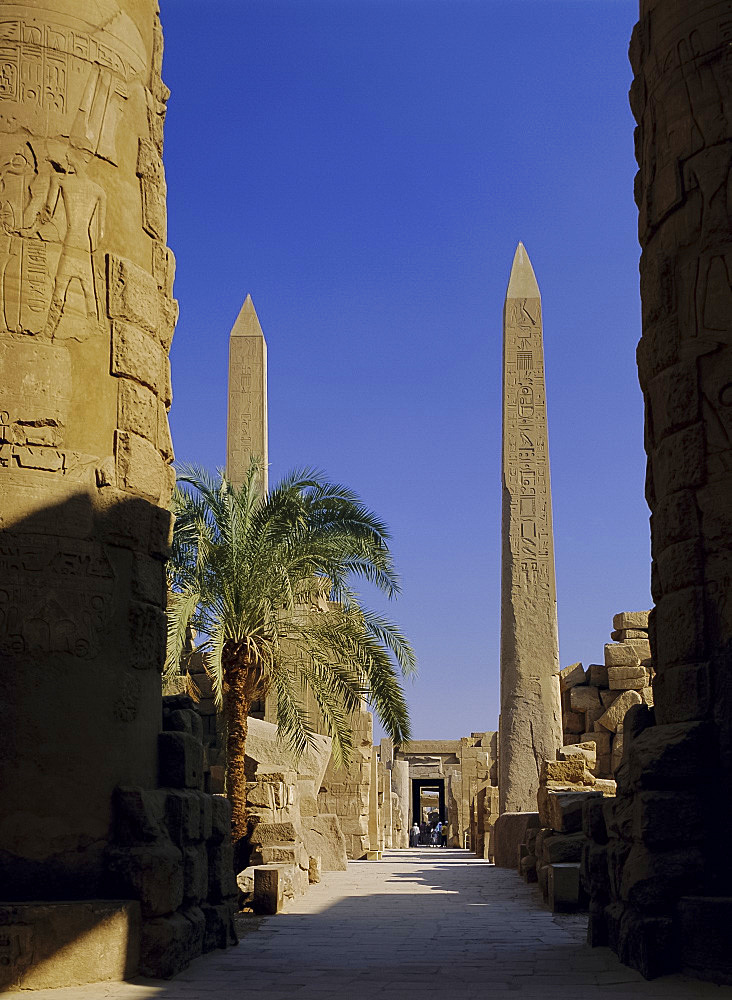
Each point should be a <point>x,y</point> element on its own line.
<point>246,429</point>
<point>530,725</point>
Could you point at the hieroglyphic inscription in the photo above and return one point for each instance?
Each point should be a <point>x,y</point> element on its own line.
<point>247,418</point>
<point>55,597</point>
<point>525,456</point>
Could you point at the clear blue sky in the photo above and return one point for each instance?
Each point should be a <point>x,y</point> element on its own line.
<point>365,168</point>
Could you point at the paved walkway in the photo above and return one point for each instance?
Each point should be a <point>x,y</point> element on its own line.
<point>422,923</point>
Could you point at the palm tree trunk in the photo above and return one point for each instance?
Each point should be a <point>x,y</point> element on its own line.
<point>237,705</point>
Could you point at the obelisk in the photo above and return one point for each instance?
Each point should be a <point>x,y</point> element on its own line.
<point>246,431</point>
<point>530,725</point>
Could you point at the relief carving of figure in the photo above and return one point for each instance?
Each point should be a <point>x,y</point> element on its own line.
<point>84,204</point>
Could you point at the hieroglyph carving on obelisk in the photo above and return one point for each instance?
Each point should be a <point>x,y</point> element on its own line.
<point>246,431</point>
<point>530,727</point>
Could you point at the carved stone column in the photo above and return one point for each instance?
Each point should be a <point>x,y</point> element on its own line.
<point>673,809</point>
<point>86,321</point>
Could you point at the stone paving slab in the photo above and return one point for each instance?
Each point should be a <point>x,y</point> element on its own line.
<point>424,921</point>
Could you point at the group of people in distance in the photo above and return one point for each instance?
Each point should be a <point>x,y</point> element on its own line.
<point>428,834</point>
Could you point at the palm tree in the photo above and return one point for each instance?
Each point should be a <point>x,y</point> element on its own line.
<point>267,580</point>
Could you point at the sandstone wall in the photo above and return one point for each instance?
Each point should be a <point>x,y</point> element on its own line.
<point>595,700</point>
<point>670,872</point>
<point>345,792</point>
<point>86,321</point>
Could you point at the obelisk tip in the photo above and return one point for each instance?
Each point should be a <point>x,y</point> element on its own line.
<point>247,322</point>
<point>522,283</point>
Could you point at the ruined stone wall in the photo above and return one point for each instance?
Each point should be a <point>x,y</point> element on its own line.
<point>670,877</point>
<point>86,321</point>
<point>595,700</point>
<point>345,792</point>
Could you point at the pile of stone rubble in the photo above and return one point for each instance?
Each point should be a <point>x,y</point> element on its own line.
<point>595,700</point>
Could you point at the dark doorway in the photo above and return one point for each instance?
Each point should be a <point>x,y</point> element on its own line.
<point>427,785</point>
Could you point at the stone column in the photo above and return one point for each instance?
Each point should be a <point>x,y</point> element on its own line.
<point>86,321</point>
<point>246,429</point>
<point>530,726</point>
<point>681,767</point>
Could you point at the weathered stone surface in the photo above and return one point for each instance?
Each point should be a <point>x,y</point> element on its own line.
<point>76,513</point>
<point>704,935</point>
<point>674,756</point>
<point>563,887</point>
<point>621,654</point>
<point>571,675</point>
<point>602,740</point>
<point>530,719</point>
<point>52,945</point>
<point>269,888</point>
<point>572,771</point>
<point>167,945</point>
<point>627,678</point>
<point>324,839</point>
<point>612,719</point>
<point>588,751</point>
<point>597,675</point>
<point>631,619</point>
<point>584,698</point>
<point>573,722</point>
<point>180,760</point>
<point>509,831</point>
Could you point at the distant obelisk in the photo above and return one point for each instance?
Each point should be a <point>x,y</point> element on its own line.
<point>530,725</point>
<point>246,430</point>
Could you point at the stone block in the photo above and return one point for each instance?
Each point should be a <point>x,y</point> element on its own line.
<point>601,739</point>
<point>324,838</point>
<point>588,751</point>
<point>220,931</point>
<point>663,818</point>
<point>137,356</point>
<point>138,814</point>
<point>184,721</point>
<point>527,868</point>
<point>617,751</point>
<point>631,619</point>
<point>509,831</point>
<point>607,697</point>
<point>147,629</point>
<point>573,722</point>
<point>315,868</point>
<point>571,676</point>
<point>563,887</point>
<point>597,675</point>
<point>221,880</point>
<point>571,772</point>
<point>152,873</point>
<point>623,634</point>
<point>594,874</point>
<point>554,813</point>
<point>593,818</point>
<point>705,923</point>
<point>132,294</point>
<point>626,681</point>
<point>646,694</point>
<point>180,760</point>
<point>591,717</point>
<point>561,848</point>
<point>195,917</point>
<point>673,756</point>
<point>621,654</point>
<point>653,880</point>
<point>584,698</point>
<point>220,818</point>
<point>166,945</point>
<point>53,945</point>
<point>195,874</point>
<point>613,717</point>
